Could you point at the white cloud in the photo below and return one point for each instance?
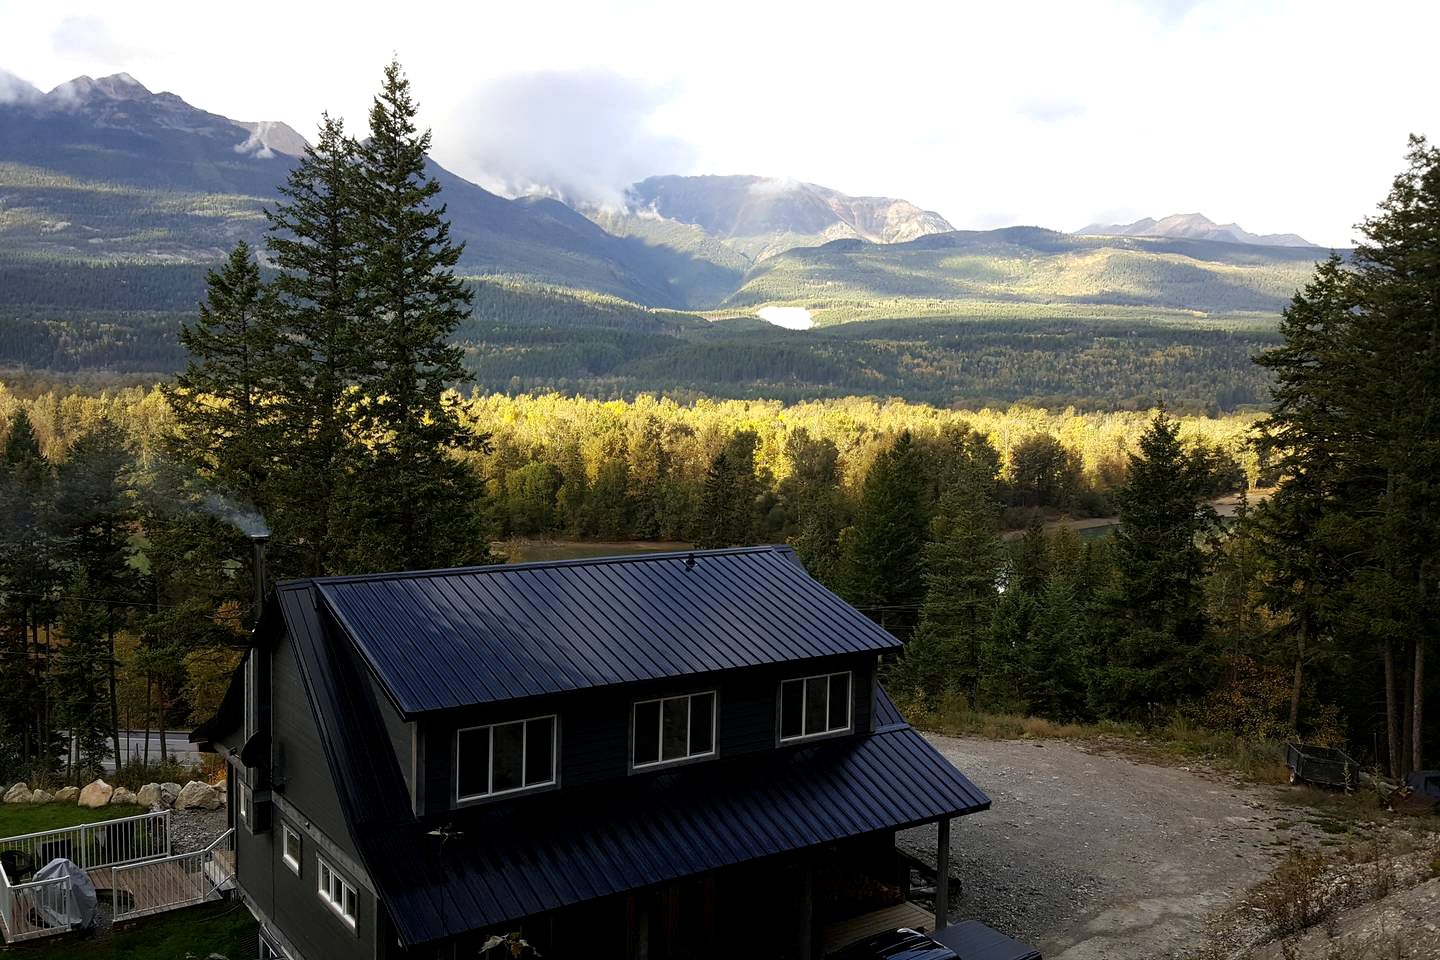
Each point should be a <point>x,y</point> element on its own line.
<point>1281,115</point>
<point>584,135</point>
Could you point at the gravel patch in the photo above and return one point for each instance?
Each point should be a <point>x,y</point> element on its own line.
<point>192,830</point>
<point>1094,856</point>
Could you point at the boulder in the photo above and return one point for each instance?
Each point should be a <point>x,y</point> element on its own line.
<point>96,794</point>
<point>42,796</point>
<point>149,797</point>
<point>20,793</point>
<point>169,793</point>
<point>67,794</point>
<point>121,796</point>
<point>198,796</point>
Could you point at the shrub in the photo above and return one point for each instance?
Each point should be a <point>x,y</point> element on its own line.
<point>1296,896</point>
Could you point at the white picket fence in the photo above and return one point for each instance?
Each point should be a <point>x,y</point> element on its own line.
<point>37,909</point>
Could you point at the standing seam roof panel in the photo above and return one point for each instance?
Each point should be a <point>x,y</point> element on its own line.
<point>447,639</point>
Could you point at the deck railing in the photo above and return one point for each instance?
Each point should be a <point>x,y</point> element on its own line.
<point>40,908</point>
<point>35,909</point>
<point>103,844</point>
<point>181,880</point>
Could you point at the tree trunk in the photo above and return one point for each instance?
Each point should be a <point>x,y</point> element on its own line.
<point>1407,718</point>
<point>1392,715</point>
<point>1299,674</point>
<point>114,697</point>
<point>149,715</point>
<point>1417,736</point>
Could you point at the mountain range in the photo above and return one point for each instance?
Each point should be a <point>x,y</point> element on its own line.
<point>1193,226</point>
<point>115,201</point>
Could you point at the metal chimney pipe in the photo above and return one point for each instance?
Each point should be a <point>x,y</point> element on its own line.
<point>257,545</point>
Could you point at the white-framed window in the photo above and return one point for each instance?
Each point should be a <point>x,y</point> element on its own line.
<point>247,804</point>
<point>290,848</point>
<point>815,706</point>
<point>336,892</point>
<point>505,757</point>
<point>671,729</point>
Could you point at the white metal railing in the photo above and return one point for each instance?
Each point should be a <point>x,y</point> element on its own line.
<point>32,910</point>
<point>180,880</point>
<point>39,908</point>
<point>103,844</point>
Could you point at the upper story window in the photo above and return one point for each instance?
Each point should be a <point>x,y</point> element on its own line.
<point>336,892</point>
<point>673,728</point>
<point>290,848</point>
<point>815,706</point>
<point>504,757</point>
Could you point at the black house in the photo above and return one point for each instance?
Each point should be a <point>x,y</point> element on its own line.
<point>672,755</point>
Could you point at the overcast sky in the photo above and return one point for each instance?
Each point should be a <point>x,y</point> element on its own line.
<point>1283,116</point>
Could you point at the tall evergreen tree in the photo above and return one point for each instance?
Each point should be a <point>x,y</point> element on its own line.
<point>96,514</point>
<point>728,501</point>
<point>881,551</point>
<point>224,398</point>
<point>413,502</point>
<point>1156,652</point>
<point>962,564</point>
<point>29,577</point>
<point>313,243</point>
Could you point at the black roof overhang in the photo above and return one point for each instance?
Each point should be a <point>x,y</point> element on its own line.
<point>533,855</point>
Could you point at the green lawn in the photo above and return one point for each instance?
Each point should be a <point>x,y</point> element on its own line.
<point>225,928</point>
<point>17,819</point>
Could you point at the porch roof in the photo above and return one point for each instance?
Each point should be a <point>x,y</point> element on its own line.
<point>519,860</point>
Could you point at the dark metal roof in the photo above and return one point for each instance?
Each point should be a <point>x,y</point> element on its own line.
<point>453,638</point>
<point>516,860</point>
<point>972,940</point>
<point>362,764</point>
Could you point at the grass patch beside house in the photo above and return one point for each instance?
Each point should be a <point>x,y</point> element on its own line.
<point>18,819</point>
<point>225,929</point>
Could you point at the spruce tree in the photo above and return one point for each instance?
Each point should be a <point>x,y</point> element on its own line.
<point>96,520</point>
<point>224,398</point>
<point>312,241</point>
<point>728,500</point>
<point>29,577</point>
<point>413,502</point>
<point>1156,650</point>
<point>881,551</point>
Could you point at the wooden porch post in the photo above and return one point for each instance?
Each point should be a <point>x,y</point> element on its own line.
<point>942,875</point>
<point>807,912</point>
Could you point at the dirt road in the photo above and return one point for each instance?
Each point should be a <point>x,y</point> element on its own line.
<point>1092,856</point>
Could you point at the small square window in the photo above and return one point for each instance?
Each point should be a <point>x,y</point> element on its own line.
<point>290,848</point>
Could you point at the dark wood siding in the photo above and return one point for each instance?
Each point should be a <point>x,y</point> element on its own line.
<point>594,741</point>
<point>301,768</point>
<point>398,730</point>
<point>306,920</point>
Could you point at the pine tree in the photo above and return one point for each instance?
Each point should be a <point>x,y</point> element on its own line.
<point>413,502</point>
<point>881,551</point>
<point>96,519</point>
<point>727,515</point>
<point>312,241</point>
<point>962,564</point>
<point>224,398</point>
<point>1156,653</point>
<point>29,576</point>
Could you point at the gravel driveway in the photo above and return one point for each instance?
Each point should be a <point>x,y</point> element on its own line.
<point>1094,856</point>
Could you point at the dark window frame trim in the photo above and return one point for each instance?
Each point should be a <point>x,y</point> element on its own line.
<point>688,695</point>
<point>849,728</point>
